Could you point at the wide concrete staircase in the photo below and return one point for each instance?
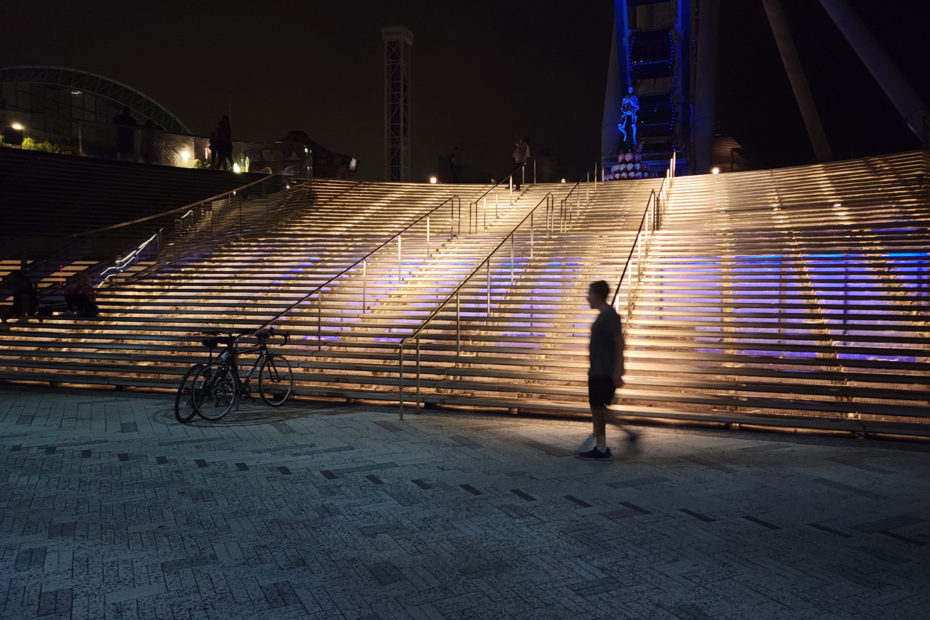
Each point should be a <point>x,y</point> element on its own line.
<point>793,298</point>
<point>150,321</point>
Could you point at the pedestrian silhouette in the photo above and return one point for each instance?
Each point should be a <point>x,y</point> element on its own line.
<point>521,153</point>
<point>25,300</point>
<point>125,135</point>
<point>605,373</point>
<point>222,138</point>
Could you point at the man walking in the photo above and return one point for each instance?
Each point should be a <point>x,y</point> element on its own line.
<point>605,374</point>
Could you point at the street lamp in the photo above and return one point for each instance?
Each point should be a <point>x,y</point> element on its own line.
<point>14,134</point>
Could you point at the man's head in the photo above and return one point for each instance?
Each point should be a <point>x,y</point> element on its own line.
<point>597,294</point>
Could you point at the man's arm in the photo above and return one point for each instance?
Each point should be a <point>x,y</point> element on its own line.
<point>618,361</point>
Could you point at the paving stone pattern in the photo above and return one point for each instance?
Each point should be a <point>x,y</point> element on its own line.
<point>110,509</point>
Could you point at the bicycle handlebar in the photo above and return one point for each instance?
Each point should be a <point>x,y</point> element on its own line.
<point>216,336</point>
<point>265,334</point>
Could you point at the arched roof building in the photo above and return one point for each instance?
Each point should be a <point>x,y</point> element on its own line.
<point>75,109</point>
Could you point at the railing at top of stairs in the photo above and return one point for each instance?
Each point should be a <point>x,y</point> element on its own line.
<point>455,229</point>
<point>651,221</point>
<point>554,220</point>
<point>172,224</point>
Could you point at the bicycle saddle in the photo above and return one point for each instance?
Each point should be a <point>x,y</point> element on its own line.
<point>212,341</point>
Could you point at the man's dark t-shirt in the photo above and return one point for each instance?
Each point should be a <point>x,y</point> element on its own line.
<point>606,337</point>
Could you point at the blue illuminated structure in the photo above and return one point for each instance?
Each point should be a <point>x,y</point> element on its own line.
<point>650,60</point>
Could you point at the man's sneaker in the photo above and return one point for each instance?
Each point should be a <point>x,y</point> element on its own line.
<point>587,444</point>
<point>595,455</point>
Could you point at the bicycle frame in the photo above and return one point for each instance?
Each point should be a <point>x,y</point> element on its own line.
<point>229,358</point>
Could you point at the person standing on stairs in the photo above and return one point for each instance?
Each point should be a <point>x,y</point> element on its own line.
<point>605,374</point>
<point>521,153</point>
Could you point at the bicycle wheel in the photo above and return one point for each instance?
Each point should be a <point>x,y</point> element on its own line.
<point>188,392</point>
<point>275,380</point>
<point>220,390</point>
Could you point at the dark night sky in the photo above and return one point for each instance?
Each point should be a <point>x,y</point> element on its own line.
<point>483,71</point>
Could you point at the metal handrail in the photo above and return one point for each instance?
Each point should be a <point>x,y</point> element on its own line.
<point>650,222</point>
<point>186,207</point>
<point>473,205</point>
<point>451,200</point>
<point>565,204</point>
<point>120,263</point>
<point>549,201</point>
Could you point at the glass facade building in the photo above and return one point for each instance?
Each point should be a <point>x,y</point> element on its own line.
<point>73,110</point>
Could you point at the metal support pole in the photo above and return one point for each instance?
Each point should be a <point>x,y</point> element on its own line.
<point>487,271</point>
<point>364,284</point>
<point>531,232</point>
<point>905,99</point>
<point>629,295</point>
<point>417,407</point>
<point>511,259</point>
<point>400,379</point>
<point>458,327</point>
<point>427,235</point>
<point>797,79</point>
<point>319,320</point>
<point>485,214</point>
<point>400,257</point>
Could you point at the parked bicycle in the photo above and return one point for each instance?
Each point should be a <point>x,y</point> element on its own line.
<point>211,389</point>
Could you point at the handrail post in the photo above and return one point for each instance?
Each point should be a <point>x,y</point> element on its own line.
<point>364,285</point>
<point>319,320</point>
<point>511,259</point>
<point>458,327</point>
<point>400,240</point>
<point>400,378</point>
<point>417,405</point>
<point>427,235</point>
<point>485,214</point>
<point>488,274</point>
<point>531,232</point>
<point>629,298</point>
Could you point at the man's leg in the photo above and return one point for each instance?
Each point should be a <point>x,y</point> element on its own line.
<point>609,416</point>
<point>599,416</point>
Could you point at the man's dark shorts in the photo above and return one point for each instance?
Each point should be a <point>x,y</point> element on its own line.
<point>600,391</point>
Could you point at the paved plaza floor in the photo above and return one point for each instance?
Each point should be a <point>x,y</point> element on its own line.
<point>111,509</point>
